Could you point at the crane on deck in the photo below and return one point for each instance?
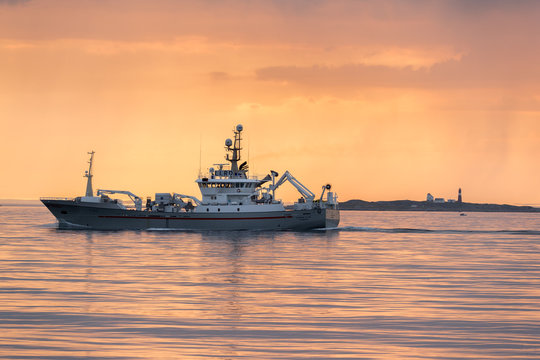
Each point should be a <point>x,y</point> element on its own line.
<point>303,190</point>
<point>136,200</point>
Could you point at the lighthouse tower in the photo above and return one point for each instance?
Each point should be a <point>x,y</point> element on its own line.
<point>459,196</point>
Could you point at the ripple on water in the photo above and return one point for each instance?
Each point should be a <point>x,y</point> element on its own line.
<point>380,286</point>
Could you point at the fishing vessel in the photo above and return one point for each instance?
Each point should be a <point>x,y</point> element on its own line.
<point>230,200</point>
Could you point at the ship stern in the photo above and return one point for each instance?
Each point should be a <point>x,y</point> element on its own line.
<point>332,218</point>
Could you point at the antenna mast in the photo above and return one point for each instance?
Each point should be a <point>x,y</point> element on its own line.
<point>235,149</point>
<point>88,174</point>
<point>200,155</point>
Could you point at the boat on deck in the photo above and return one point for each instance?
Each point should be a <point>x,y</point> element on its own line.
<point>230,200</point>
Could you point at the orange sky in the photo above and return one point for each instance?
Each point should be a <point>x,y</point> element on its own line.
<point>383,99</point>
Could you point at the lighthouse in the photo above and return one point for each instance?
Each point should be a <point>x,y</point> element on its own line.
<point>459,196</point>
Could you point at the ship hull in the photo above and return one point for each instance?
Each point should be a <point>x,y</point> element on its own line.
<point>71,214</point>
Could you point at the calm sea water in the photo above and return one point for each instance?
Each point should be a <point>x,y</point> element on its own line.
<point>384,285</point>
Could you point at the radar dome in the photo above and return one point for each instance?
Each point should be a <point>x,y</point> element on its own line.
<point>228,142</point>
<point>239,127</point>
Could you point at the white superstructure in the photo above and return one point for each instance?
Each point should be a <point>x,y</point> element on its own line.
<point>228,188</point>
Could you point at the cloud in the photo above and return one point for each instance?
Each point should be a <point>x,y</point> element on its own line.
<point>462,25</point>
<point>468,72</point>
<point>219,76</point>
<point>478,7</point>
<point>297,7</point>
<point>13,2</point>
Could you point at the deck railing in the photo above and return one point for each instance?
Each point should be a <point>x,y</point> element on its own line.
<point>56,198</point>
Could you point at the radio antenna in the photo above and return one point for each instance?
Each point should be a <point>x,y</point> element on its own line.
<point>200,155</point>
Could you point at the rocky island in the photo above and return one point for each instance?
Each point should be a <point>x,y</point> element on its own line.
<point>410,205</point>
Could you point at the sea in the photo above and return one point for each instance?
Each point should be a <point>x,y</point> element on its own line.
<point>382,285</point>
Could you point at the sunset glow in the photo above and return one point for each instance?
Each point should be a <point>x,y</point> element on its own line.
<point>384,100</point>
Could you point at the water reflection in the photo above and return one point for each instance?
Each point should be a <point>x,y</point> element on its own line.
<point>321,294</point>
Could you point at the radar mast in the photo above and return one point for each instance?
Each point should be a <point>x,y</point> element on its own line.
<point>235,149</point>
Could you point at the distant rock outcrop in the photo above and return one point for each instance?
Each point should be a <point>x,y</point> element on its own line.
<point>410,205</point>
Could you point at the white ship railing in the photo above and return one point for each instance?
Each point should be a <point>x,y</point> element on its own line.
<point>56,198</point>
